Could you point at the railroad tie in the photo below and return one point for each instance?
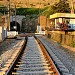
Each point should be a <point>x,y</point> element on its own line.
<point>33,61</point>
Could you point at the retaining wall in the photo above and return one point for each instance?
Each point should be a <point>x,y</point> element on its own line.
<point>62,38</point>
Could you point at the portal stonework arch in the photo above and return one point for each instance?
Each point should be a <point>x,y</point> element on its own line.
<point>18,21</point>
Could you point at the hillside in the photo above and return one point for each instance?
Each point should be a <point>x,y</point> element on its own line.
<point>29,3</point>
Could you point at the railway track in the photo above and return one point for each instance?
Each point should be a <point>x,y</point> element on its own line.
<point>35,60</point>
<point>30,58</point>
<point>53,53</point>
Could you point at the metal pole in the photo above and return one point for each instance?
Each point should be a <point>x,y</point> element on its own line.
<point>12,18</point>
<point>8,26</point>
<point>15,17</point>
<point>39,12</point>
<point>46,21</point>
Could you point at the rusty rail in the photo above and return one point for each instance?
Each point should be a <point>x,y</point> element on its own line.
<point>53,67</point>
<point>13,68</point>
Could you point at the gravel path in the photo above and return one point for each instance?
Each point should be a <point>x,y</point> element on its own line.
<point>6,50</point>
<point>66,56</point>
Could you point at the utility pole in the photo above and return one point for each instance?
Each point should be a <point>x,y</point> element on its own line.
<point>72,8</point>
<point>39,12</point>
<point>15,17</point>
<point>8,24</point>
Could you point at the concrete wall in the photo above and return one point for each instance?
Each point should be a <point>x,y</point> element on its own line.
<point>38,29</point>
<point>12,33</point>
<point>62,38</point>
<point>44,22</point>
<point>3,33</point>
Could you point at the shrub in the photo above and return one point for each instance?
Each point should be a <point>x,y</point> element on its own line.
<point>73,44</point>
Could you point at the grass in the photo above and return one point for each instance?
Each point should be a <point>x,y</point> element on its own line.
<point>73,44</point>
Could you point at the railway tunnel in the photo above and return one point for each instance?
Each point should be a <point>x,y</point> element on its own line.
<point>14,26</point>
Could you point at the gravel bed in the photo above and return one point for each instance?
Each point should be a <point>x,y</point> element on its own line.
<point>6,50</point>
<point>66,56</point>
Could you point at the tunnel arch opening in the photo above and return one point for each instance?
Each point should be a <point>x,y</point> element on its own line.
<point>14,26</point>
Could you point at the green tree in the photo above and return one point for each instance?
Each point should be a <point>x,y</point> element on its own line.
<point>3,9</point>
<point>48,11</point>
<point>62,6</point>
<point>27,11</point>
<point>29,24</point>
